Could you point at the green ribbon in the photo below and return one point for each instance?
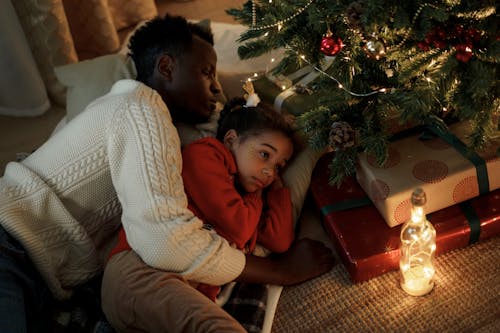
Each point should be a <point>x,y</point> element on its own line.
<point>473,157</point>
<point>473,220</point>
<point>344,205</point>
<point>479,163</point>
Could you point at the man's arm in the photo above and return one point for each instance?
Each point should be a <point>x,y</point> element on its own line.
<point>306,259</point>
<point>145,164</point>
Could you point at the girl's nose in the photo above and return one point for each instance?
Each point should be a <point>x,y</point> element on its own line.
<point>268,172</point>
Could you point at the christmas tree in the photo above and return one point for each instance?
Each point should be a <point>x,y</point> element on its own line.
<point>419,62</point>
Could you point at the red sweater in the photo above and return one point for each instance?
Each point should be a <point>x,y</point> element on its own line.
<point>208,172</point>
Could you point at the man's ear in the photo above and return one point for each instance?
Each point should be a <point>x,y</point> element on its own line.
<point>230,138</point>
<point>165,66</point>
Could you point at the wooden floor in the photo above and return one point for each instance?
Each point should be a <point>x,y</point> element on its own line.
<point>27,133</point>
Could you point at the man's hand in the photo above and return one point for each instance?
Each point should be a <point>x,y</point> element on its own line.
<point>306,259</point>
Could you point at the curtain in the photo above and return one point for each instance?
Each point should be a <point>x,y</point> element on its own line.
<point>60,32</point>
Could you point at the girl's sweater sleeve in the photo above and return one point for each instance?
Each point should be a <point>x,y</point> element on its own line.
<point>208,180</point>
<point>276,231</point>
<point>145,164</point>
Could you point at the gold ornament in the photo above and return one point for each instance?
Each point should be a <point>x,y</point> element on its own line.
<point>375,48</point>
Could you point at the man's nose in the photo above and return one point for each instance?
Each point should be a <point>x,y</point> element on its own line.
<point>216,87</point>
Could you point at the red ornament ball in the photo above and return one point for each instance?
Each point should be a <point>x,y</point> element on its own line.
<point>464,52</point>
<point>331,45</point>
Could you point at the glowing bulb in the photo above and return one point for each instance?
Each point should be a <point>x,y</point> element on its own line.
<point>283,87</point>
<point>428,79</point>
<point>280,26</point>
<point>340,86</point>
<point>383,90</point>
<point>255,74</point>
<point>273,60</point>
<point>266,34</point>
<point>303,57</point>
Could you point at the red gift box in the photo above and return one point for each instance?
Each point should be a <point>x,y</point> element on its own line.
<point>368,247</point>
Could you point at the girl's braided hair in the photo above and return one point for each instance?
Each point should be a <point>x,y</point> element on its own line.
<point>251,120</point>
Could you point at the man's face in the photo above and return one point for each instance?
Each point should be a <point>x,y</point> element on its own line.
<point>194,88</point>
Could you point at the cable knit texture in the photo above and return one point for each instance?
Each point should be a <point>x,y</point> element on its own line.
<point>122,155</point>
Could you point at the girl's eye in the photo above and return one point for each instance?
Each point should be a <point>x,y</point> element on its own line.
<point>264,155</point>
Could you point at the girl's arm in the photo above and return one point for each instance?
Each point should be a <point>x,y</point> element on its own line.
<point>207,172</point>
<point>276,230</point>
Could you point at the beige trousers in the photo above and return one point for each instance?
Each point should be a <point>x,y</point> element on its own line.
<point>138,298</point>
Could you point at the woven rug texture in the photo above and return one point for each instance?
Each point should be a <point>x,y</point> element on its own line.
<point>465,298</point>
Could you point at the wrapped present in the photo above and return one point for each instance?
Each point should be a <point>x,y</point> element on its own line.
<point>368,247</point>
<point>441,164</point>
<point>290,91</point>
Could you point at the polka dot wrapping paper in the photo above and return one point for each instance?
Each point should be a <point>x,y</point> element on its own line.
<point>447,173</point>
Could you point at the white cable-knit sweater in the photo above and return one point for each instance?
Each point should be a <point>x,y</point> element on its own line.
<point>122,155</point>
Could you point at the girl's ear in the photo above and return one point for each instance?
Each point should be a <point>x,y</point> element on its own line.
<point>165,66</point>
<point>230,138</point>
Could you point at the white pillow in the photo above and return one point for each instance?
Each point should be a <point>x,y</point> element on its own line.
<point>89,79</point>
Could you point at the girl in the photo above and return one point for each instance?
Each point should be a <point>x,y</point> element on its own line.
<point>233,181</point>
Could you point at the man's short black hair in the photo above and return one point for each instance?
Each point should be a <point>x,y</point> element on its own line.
<point>168,34</point>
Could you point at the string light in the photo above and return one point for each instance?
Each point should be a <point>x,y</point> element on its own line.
<point>279,25</point>
<point>340,85</point>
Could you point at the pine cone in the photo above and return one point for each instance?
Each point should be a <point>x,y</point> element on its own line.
<point>341,136</point>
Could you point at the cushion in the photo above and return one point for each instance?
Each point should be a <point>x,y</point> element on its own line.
<point>89,79</point>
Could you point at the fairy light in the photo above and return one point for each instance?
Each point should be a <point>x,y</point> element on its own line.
<point>340,85</point>
<point>279,25</point>
<point>418,245</point>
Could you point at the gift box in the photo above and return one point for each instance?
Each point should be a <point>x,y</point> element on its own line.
<point>290,91</point>
<point>368,247</point>
<point>438,162</point>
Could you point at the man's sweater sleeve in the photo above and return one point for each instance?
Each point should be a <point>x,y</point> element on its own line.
<point>145,162</point>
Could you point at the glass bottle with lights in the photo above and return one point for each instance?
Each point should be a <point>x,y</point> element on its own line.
<point>418,244</point>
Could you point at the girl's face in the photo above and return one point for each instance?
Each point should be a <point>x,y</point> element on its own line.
<point>259,157</point>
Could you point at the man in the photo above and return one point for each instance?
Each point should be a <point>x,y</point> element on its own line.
<point>120,162</point>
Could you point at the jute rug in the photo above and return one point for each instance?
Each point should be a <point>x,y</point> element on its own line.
<point>466,298</point>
